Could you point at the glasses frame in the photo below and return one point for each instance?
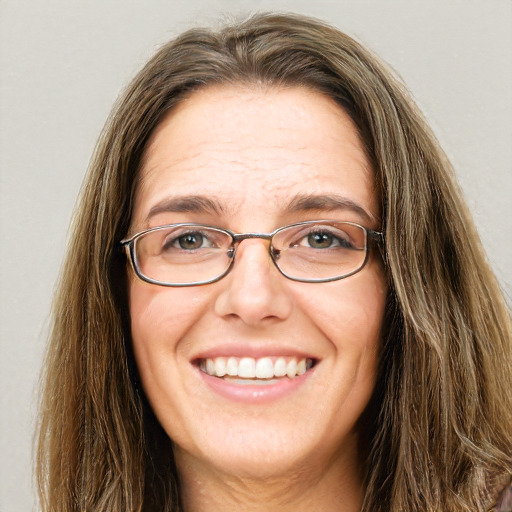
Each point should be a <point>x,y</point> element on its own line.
<point>128,244</point>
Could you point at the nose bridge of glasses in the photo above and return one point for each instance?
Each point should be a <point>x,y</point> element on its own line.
<point>240,237</point>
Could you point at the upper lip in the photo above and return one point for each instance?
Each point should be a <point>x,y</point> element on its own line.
<point>254,350</point>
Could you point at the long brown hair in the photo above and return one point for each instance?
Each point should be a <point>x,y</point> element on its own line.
<point>440,421</point>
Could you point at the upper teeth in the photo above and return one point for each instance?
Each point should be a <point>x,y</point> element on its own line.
<point>250,368</point>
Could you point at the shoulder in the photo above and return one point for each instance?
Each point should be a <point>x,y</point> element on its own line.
<point>504,502</point>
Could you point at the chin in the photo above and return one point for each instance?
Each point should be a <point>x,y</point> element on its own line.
<point>259,448</point>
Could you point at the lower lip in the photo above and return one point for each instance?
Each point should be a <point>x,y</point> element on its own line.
<point>256,393</point>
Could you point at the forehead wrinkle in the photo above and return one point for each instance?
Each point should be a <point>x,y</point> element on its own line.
<point>146,170</point>
<point>144,179</point>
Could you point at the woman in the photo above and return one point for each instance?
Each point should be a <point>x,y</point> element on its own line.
<point>274,298</point>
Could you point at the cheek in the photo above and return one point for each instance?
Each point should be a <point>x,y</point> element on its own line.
<point>160,318</point>
<point>350,312</point>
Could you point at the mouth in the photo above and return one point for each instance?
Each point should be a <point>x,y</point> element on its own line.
<point>251,371</point>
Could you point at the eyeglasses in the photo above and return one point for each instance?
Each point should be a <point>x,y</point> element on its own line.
<point>193,254</point>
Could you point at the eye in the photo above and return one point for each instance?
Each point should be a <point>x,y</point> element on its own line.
<point>326,240</point>
<point>190,241</point>
<point>320,240</point>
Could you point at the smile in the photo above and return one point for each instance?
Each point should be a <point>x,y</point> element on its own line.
<point>248,370</point>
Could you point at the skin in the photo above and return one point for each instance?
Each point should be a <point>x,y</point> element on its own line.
<point>252,151</point>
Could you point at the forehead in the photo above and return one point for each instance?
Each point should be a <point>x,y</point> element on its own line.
<point>254,148</point>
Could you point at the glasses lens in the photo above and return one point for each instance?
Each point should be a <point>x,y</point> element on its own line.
<point>320,251</point>
<point>186,254</point>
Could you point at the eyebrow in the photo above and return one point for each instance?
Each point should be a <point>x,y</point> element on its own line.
<point>300,203</point>
<point>327,202</point>
<point>185,204</point>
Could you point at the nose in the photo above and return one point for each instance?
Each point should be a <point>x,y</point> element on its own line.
<point>254,290</point>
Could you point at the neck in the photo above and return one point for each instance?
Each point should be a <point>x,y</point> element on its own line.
<point>334,486</point>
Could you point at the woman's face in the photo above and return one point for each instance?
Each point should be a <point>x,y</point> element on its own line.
<point>252,160</point>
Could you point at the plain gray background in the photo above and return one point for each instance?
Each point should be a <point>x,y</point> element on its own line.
<point>62,65</point>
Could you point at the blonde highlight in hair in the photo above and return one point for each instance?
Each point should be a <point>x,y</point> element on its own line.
<point>440,422</point>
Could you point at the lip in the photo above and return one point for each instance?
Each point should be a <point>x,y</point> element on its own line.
<point>254,351</point>
<point>247,393</point>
